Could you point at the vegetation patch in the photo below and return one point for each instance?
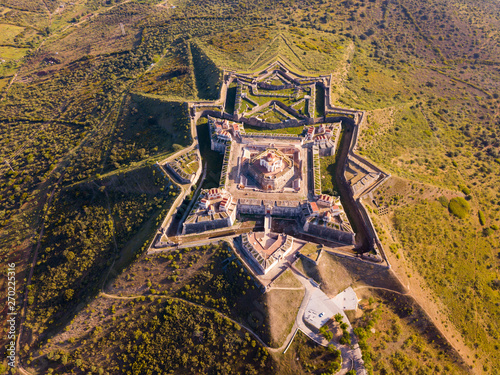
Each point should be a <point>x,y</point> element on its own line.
<point>287,280</point>
<point>457,262</point>
<point>282,307</point>
<point>320,101</point>
<point>209,275</point>
<point>208,75</point>
<point>328,166</point>
<point>212,159</point>
<point>12,53</point>
<point>8,33</point>
<point>395,337</point>
<point>172,75</point>
<point>482,218</point>
<point>310,357</point>
<point>85,229</point>
<point>161,335</point>
<point>289,130</point>
<point>459,207</point>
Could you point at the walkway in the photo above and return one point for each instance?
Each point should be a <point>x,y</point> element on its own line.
<point>270,349</point>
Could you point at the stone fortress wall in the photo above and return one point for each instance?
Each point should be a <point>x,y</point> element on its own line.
<point>282,136</point>
<point>295,210</point>
<point>291,209</point>
<point>204,226</point>
<point>339,116</point>
<point>286,209</point>
<point>332,114</point>
<point>330,233</point>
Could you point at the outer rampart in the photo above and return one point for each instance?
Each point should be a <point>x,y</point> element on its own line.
<point>330,233</point>
<point>206,225</point>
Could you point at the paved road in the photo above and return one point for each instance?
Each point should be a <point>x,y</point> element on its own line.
<point>351,356</point>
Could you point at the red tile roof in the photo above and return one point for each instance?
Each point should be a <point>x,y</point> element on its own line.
<point>314,206</point>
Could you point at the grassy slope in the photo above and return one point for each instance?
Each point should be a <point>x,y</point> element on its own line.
<point>283,306</point>
<point>399,340</point>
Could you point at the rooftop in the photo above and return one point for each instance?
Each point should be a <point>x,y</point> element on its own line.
<point>266,245</point>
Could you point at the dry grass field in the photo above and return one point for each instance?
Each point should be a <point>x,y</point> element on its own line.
<point>282,306</point>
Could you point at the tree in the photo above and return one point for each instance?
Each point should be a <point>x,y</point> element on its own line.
<point>68,294</point>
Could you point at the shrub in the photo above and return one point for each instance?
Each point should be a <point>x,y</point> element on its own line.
<point>459,207</point>
<point>327,334</point>
<point>443,200</point>
<point>487,232</point>
<point>482,219</point>
<point>345,339</point>
<point>464,189</point>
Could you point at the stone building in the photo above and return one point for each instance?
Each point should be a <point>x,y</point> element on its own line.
<point>265,250</point>
<point>327,219</point>
<point>271,168</point>
<point>215,209</point>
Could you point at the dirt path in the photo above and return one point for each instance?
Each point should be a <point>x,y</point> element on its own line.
<point>434,308</point>
<point>92,16</point>
<point>380,288</point>
<point>339,77</point>
<point>106,295</point>
<point>8,86</point>
<point>62,165</point>
<point>424,296</point>
<point>269,348</point>
<point>32,268</point>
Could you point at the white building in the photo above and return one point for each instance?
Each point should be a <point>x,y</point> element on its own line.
<point>271,162</point>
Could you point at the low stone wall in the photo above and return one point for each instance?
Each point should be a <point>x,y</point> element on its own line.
<point>283,211</point>
<point>271,135</point>
<point>289,110</point>
<point>267,125</point>
<point>268,86</point>
<point>251,209</point>
<point>177,175</point>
